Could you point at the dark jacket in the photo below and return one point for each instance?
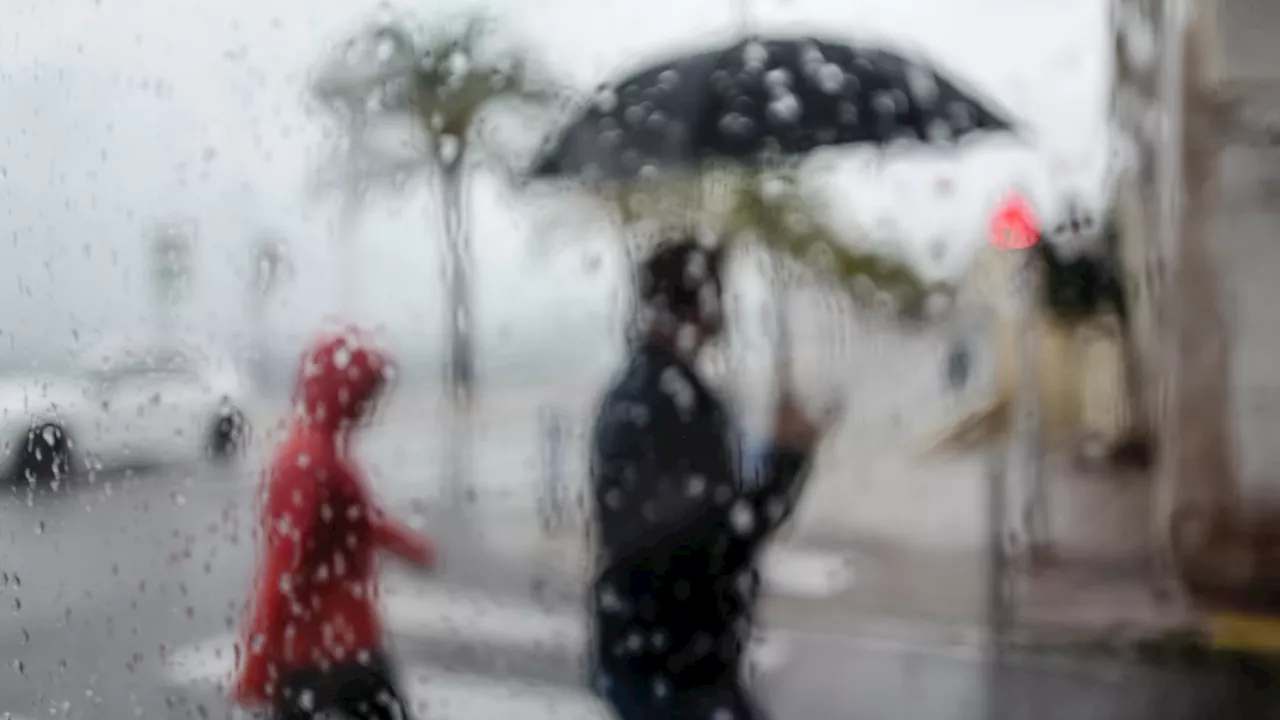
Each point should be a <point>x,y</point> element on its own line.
<point>680,526</point>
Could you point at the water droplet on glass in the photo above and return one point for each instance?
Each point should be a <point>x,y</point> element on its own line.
<point>679,389</point>
<point>613,498</point>
<point>829,78</point>
<point>742,517</point>
<point>448,149</point>
<point>923,84</point>
<point>778,80</point>
<point>696,486</point>
<point>755,55</point>
<point>939,132</point>
<point>634,115</point>
<point>606,99</point>
<point>735,123</point>
<point>609,600</point>
<point>785,108</point>
<point>962,115</point>
<point>884,104</point>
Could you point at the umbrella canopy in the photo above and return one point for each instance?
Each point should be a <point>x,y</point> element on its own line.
<point>759,99</point>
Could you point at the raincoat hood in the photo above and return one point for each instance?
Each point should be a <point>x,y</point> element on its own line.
<point>339,380</point>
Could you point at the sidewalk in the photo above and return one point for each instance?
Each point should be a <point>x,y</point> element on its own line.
<point>869,585</point>
<point>884,542</point>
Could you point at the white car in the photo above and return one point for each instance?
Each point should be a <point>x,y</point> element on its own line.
<point>123,408</point>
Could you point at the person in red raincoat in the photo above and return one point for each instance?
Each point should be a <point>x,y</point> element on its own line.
<point>313,642</point>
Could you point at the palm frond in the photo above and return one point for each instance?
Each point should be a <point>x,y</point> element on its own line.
<point>790,223</point>
<point>458,76</point>
<point>433,84</point>
<point>775,212</point>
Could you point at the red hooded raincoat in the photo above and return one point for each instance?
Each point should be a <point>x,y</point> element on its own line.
<point>315,600</point>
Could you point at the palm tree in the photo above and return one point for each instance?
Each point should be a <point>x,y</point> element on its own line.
<point>349,86</point>
<point>443,85</point>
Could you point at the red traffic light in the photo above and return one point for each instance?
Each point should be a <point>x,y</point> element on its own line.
<point>1014,225</point>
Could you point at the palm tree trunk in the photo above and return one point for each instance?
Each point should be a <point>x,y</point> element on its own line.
<point>460,365</point>
<point>461,368</point>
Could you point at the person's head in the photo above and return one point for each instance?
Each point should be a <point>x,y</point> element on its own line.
<point>680,287</point>
<point>340,378</point>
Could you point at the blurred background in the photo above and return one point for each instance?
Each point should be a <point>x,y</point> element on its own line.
<point>191,190</point>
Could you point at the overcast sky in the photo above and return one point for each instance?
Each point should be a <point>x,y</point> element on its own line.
<point>115,114</point>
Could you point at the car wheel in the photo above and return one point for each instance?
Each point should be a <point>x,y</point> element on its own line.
<point>45,456</point>
<point>227,435</point>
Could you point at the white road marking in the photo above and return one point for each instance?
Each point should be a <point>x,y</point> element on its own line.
<point>797,572</point>
<point>457,696</point>
<point>457,614</point>
<point>454,696</point>
<point>446,614</point>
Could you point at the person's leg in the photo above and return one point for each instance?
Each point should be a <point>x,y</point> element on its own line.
<point>627,701</point>
<point>730,701</point>
<point>370,692</point>
<point>286,710</point>
<point>304,694</point>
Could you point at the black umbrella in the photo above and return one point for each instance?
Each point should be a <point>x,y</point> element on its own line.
<point>761,98</point>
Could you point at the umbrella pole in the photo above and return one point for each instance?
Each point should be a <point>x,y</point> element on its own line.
<point>781,329</point>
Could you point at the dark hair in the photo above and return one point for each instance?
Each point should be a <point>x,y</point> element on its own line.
<point>673,276</point>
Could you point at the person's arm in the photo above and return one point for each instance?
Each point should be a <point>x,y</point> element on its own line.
<point>772,498</point>
<point>288,515</point>
<point>401,540</point>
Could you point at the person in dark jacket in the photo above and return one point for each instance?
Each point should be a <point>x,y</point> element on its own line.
<point>313,640</point>
<point>679,524</point>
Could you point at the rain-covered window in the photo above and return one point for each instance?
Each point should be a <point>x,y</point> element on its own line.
<point>585,360</point>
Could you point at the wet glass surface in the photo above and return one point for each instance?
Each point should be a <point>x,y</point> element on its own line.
<point>916,405</point>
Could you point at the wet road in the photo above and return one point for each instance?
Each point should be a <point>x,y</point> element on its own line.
<point>100,582</point>
<point>104,587</point>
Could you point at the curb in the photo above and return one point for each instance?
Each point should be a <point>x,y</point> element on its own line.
<point>1190,649</point>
